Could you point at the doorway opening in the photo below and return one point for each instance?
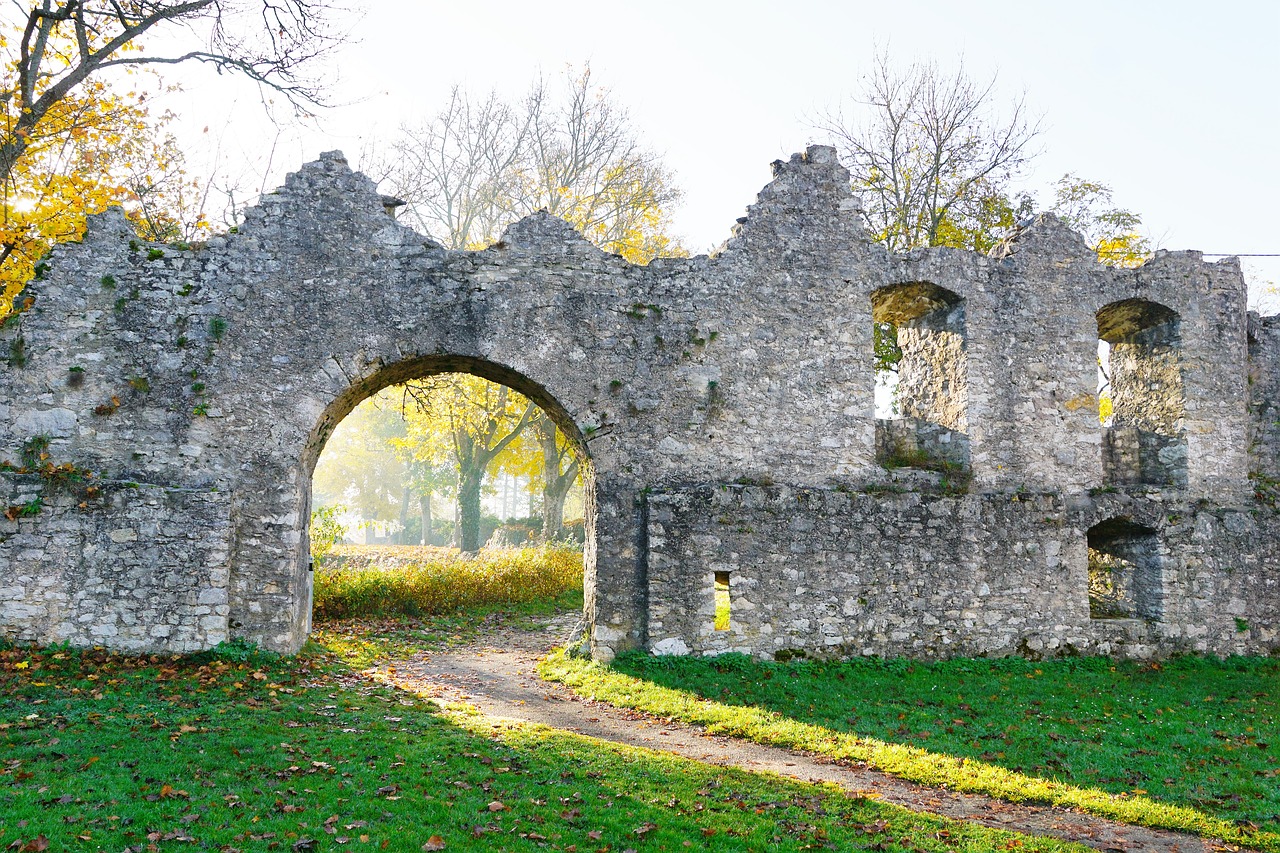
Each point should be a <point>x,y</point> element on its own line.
<point>455,491</point>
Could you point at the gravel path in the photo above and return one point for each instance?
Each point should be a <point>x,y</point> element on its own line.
<point>496,675</point>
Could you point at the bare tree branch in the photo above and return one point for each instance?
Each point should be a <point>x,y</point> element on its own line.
<point>482,162</point>
<point>925,153</point>
<point>294,32</point>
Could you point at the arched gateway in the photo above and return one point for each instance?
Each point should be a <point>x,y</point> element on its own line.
<point>725,404</point>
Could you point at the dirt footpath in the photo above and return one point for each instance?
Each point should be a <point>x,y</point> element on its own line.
<point>497,675</point>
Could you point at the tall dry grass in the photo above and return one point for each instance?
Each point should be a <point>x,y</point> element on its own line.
<point>361,582</point>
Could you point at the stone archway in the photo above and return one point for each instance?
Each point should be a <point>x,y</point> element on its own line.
<point>421,368</point>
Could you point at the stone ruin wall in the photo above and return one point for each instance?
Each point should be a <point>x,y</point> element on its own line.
<point>725,404</point>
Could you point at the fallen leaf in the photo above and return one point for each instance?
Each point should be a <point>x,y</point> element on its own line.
<point>435,842</point>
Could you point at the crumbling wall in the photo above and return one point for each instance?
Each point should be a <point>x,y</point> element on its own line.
<point>212,376</point>
<point>1264,403</point>
<point>824,573</point>
<point>932,382</point>
<point>929,420</point>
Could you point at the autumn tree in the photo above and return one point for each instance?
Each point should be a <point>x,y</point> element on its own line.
<point>546,456</point>
<point>480,164</point>
<point>360,467</point>
<point>1111,231</point>
<point>483,162</point>
<point>929,157</point>
<point>424,478</point>
<point>66,43</point>
<point>71,143</point>
<point>469,422</point>
<point>102,148</point>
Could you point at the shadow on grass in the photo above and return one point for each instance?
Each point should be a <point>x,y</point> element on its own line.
<point>237,750</point>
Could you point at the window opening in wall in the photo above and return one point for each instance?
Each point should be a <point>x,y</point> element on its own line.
<point>722,601</point>
<point>1125,571</point>
<point>1106,411</point>
<point>921,383</point>
<point>1140,397</point>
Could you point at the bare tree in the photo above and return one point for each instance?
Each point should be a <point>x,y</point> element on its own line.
<point>926,154</point>
<point>460,171</point>
<point>66,42</point>
<point>482,162</point>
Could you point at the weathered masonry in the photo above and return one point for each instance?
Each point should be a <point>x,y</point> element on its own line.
<point>726,405</point>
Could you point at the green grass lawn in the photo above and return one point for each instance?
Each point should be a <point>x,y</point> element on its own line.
<point>1189,744</point>
<point>234,750</point>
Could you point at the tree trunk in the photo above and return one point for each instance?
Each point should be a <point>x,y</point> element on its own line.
<point>424,500</point>
<point>455,538</point>
<point>404,517</point>
<point>553,495</point>
<point>469,510</point>
<point>555,485</point>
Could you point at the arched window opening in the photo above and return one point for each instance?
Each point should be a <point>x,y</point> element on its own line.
<point>921,389</point>
<point>1126,577</point>
<point>437,494</point>
<point>1140,394</point>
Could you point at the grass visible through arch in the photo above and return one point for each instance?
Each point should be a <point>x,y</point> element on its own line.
<point>975,725</point>
<point>360,582</point>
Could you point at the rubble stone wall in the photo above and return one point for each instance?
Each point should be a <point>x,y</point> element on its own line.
<point>199,384</point>
<point>826,573</point>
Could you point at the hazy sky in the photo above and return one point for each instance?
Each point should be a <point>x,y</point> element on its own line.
<point>1172,103</point>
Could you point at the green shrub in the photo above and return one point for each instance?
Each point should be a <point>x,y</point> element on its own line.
<point>326,531</point>
<point>419,581</point>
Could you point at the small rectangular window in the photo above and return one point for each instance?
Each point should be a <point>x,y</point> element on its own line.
<point>722,601</point>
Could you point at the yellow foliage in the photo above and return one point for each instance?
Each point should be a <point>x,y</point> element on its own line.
<point>1128,249</point>
<point>460,417</point>
<point>414,581</point>
<point>95,147</point>
<point>624,216</point>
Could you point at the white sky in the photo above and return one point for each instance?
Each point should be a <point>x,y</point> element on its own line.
<point>1172,103</point>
